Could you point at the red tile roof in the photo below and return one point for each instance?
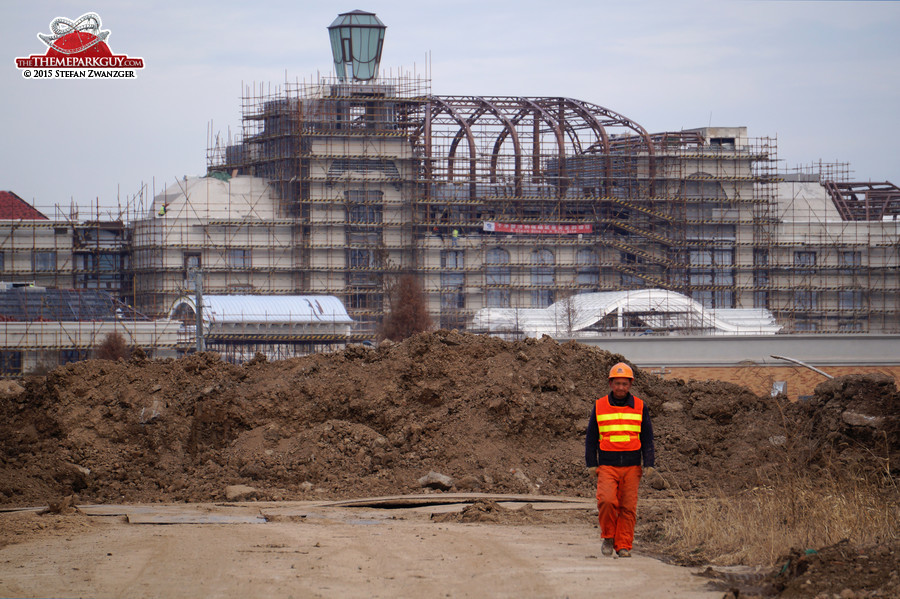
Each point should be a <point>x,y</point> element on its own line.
<point>12,207</point>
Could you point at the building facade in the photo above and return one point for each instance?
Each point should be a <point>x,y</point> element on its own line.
<point>507,202</point>
<point>63,252</point>
<point>340,186</point>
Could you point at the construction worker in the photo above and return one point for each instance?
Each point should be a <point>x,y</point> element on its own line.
<point>618,440</point>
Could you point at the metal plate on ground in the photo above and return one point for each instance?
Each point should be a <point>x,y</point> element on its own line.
<point>430,499</point>
<point>194,518</point>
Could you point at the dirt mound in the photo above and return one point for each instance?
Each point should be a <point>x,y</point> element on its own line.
<point>463,412</point>
<point>839,570</point>
<point>494,416</point>
<point>485,510</point>
<point>853,421</point>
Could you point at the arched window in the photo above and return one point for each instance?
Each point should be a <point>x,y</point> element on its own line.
<point>587,273</point>
<point>543,277</point>
<point>185,313</point>
<point>497,278</point>
<point>453,283</point>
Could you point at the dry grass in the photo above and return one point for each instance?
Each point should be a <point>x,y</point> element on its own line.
<point>758,526</point>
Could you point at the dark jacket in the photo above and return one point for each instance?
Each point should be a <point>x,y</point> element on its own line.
<point>593,457</point>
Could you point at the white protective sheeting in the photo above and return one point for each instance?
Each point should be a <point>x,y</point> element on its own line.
<point>657,310</point>
<point>207,198</point>
<point>805,202</point>
<point>272,309</point>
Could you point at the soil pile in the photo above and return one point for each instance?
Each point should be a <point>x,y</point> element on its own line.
<point>852,422</point>
<point>473,413</point>
<point>853,572</point>
<point>485,510</point>
<point>494,416</point>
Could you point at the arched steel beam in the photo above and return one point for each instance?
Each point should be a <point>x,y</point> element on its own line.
<point>558,107</point>
<point>565,117</point>
<point>443,105</point>
<point>536,146</point>
<point>470,120</point>
<point>600,131</point>
<point>509,128</point>
<point>630,124</point>
<point>451,154</point>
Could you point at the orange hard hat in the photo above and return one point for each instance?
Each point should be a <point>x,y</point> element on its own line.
<point>621,371</point>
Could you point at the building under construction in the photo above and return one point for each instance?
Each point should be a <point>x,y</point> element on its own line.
<point>520,202</point>
<point>337,187</point>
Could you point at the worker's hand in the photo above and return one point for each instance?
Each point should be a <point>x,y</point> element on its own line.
<point>649,469</point>
<point>592,471</point>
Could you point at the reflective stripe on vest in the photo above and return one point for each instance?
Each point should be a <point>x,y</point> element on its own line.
<point>619,426</point>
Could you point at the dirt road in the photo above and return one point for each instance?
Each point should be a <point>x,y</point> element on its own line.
<point>301,550</point>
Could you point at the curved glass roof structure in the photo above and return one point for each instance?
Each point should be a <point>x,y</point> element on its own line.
<point>272,309</point>
<point>643,311</point>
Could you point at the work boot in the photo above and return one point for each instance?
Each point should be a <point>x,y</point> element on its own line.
<point>607,547</point>
<point>624,553</point>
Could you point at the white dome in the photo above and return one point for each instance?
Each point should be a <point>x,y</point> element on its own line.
<point>210,198</point>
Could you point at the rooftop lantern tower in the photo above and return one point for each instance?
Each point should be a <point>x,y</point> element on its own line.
<point>356,41</point>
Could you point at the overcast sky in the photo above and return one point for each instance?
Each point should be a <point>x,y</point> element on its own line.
<point>822,77</point>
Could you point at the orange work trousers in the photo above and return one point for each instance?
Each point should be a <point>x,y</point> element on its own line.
<point>617,495</point>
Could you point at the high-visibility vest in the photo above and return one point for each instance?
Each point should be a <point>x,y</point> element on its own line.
<point>620,426</point>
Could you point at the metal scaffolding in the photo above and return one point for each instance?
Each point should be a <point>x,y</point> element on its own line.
<point>518,202</point>
<point>338,188</point>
